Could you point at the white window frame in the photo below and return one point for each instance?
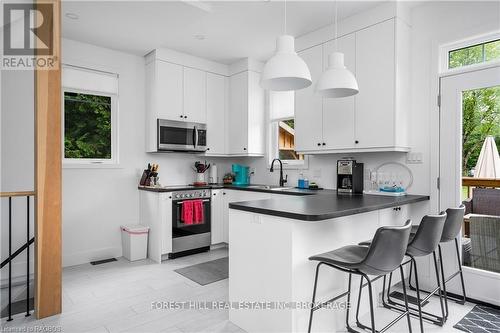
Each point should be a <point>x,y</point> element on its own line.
<point>476,40</point>
<point>114,161</point>
<point>274,150</point>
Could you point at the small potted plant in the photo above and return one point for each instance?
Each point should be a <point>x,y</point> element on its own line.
<point>228,178</point>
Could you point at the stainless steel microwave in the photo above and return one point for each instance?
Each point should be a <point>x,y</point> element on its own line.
<point>181,136</point>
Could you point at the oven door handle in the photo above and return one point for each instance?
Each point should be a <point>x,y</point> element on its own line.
<point>181,202</point>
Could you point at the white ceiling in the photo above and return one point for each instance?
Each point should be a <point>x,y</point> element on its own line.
<point>232,29</point>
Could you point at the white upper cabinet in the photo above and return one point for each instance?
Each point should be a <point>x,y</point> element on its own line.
<point>375,72</point>
<point>167,90</point>
<point>195,95</point>
<point>376,119</point>
<point>217,95</point>
<point>339,113</point>
<point>308,105</point>
<point>246,123</point>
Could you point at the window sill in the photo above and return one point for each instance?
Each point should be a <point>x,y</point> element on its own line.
<point>292,166</point>
<point>91,166</point>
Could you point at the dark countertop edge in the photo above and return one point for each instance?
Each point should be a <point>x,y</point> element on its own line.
<point>294,191</point>
<point>321,217</point>
<point>180,188</point>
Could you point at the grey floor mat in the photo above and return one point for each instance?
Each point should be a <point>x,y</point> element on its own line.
<point>207,272</point>
<point>480,319</point>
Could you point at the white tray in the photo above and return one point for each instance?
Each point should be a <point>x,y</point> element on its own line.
<point>387,194</point>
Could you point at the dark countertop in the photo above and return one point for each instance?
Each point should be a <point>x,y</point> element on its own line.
<point>323,207</point>
<point>288,191</point>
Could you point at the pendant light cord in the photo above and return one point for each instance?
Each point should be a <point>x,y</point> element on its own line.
<point>285,17</point>
<point>336,26</point>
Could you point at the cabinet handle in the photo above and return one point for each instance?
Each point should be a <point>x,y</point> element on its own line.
<point>324,144</point>
<point>208,148</point>
<point>185,117</point>
<point>181,116</point>
<point>215,194</point>
<point>319,144</point>
<point>223,193</point>
<point>356,142</point>
<point>244,149</point>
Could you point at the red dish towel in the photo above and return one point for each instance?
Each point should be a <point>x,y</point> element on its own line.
<point>187,212</point>
<point>198,211</point>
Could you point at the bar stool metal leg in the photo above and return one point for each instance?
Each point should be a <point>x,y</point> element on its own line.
<point>443,281</point>
<point>314,295</point>
<point>406,299</point>
<point>349,328</point>
<point>359,302</point>
<point>418,312</point>
<point>461,272</point>
<point>419,305</point>
<point>443,318</point>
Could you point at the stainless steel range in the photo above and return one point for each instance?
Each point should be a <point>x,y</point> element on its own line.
<point>190,235</point>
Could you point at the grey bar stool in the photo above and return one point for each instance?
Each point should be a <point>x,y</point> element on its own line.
<point>422,243</point>
<point>451,231</point>
<point>382,257</point>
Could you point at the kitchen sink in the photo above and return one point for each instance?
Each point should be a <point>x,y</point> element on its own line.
<point>281,188</point>
<point>270,187</point>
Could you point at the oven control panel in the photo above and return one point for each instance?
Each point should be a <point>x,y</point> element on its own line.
<point>192,194</point>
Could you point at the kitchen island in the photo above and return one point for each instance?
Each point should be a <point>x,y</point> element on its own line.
<point>270,241</point>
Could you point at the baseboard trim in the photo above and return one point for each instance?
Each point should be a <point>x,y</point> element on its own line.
<point>80,258</point>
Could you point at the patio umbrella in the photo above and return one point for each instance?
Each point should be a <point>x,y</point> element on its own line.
<point>488,163</point>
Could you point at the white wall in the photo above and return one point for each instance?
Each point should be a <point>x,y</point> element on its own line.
<point>16,159</point>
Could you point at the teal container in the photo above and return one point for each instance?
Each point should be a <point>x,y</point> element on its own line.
<point>241,174</point>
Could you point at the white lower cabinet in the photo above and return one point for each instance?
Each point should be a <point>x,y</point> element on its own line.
<point>155,212</point>
<point>229,196</point>
<point>217,217</point>
<point>394,216</point>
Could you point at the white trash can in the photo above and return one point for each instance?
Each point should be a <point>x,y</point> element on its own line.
<point>135,241</point>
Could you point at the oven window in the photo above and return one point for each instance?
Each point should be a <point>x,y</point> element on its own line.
<point>180,229</point>
<point>176,136</point>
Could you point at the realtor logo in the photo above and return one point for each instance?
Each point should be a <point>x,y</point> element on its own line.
<point>28,36</point>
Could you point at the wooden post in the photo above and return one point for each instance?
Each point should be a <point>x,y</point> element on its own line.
<point>48,176</point>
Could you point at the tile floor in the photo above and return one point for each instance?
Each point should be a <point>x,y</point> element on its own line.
<point>117,297</point>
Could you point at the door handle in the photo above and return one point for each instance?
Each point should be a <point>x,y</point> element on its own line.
<point>181,202</point>
<point>195,136</point>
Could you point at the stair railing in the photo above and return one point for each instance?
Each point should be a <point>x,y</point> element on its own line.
<point>26,247</point>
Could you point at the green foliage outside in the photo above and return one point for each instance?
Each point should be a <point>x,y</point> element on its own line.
<point>87,126</point>
<point>481,118</point>
<point>290,122</point>
<point>474,54</point>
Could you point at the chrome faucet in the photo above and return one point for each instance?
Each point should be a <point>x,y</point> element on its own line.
<point>282,180</point>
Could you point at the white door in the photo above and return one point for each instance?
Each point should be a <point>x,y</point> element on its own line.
<point>169,91</point>
<point>375,72</point>
<point>309,105</point>
<point>480,284</point>
<point>338,113</point>
<point>216,114</point>
<point>195,95</point>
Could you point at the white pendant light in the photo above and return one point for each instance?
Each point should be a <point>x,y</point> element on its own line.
<point>337,81</point>
<point>285,70</point>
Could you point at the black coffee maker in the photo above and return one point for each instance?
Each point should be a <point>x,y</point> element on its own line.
<point>349,177</point>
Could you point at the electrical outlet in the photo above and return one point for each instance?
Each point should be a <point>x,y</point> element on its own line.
<point>414,158</point>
